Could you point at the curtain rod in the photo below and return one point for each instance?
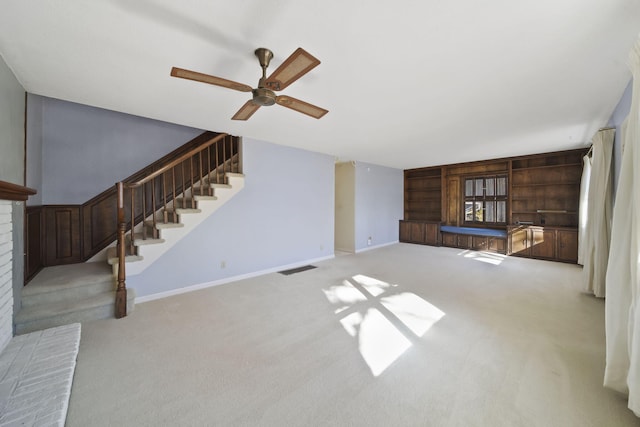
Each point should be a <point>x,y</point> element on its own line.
<point>599,130</point>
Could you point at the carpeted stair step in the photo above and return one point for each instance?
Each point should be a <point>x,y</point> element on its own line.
<point>183,211</point>
<point>43,316</point>
<point>189,203</point>
<point>140,240</point>
<point>112,256</point>
<point>162,225</point>
<point>68,282</point>
<point>214,185</point>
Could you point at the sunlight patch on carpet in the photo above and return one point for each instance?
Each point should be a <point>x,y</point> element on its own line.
<point>486,257</point>
<point>384,321</point>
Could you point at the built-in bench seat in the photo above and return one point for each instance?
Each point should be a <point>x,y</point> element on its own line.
<point>531,241</point>
<point>473,231</point>
<point>480,239</point>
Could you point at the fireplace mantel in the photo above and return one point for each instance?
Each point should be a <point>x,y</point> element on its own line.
<point>9,191</point>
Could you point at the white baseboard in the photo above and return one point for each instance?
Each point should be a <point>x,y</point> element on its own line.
<point>370,248</point>
<point>160,295</point>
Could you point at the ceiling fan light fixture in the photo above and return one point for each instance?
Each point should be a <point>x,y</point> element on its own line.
<point>264,97</point>
<point>295,66</point>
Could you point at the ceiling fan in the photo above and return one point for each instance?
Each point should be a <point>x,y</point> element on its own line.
<point>295,66</point>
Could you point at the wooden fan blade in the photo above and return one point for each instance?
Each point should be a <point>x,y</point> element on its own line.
<point>301,106</point>
<point>206,78</point>
<point>295,66</point>
<point>246,111</point>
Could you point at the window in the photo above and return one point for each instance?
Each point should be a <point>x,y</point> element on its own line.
<point>485,200</point>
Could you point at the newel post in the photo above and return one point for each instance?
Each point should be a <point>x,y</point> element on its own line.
<point>121,289</point>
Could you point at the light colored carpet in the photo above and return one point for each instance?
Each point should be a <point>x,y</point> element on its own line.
<point>405,335</point>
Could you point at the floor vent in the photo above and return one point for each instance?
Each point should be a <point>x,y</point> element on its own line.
<point>297,270</point>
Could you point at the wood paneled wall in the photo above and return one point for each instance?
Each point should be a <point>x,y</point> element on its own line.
<point>34,251</point>
<point>543,189</point>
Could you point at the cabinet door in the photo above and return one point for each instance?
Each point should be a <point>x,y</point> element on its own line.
<point>497,244</point>
<point>417,232</point>
<point>479,243</point>
<point>450,240</point>
<point>405,231</point>
<point>567,245</point>
<point>432,234</point>
<point>465,241</point>
<point>519,241</point>
<point>543,243</point>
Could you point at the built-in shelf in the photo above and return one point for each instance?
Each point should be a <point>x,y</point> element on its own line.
<point>544,211</point>
<point>545,184</point>
<point>423,194</point>
<point>517,169</point>
<point>543,189</point>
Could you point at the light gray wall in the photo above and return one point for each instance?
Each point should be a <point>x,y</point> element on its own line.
<point>378,204</point>
<point>619,115</point>
<point>12,97</point>
<point>284,215</point>
<point>12,108</point>
<point>86,150</point>
<point>345,195</point>
<point>34,147</point>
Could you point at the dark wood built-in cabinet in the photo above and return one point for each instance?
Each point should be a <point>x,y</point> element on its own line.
<point>465,239</point>
<point>423,232</point>
<point>553,243</point>
<point>542,205</point>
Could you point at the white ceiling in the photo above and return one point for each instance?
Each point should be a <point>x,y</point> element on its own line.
<point>407,83</point>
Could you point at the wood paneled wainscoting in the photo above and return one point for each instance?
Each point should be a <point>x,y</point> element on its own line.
<point>34,252</point>
<point>55,235</point>
<point>68,234</point>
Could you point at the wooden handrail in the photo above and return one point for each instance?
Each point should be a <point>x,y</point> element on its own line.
<point>150,193</point>
<point>176,162</point>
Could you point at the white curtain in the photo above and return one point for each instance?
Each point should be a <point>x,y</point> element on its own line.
<point>584,203</point>
<point>599,213</point>
<point>622,314</point>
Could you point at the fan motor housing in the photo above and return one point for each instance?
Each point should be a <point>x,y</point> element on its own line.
<point>263,97</point>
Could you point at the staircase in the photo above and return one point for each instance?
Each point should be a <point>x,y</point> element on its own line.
<point>67,294</point>
<point>191,210</point>
<point>73,293</point>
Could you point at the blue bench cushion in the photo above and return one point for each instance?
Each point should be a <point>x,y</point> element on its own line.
<point>473,231</point>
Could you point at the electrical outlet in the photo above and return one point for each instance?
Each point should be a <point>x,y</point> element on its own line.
<point>223,264</point>
<point>369,241</point>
